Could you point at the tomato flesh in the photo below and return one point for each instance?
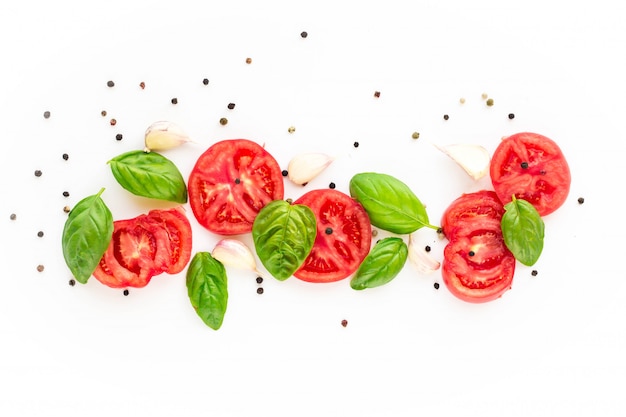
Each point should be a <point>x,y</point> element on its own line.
<point>477,266</point>
<point>531,167</point>
<point>344,235</point>
<point>179,236</point>
<point>230,183</point>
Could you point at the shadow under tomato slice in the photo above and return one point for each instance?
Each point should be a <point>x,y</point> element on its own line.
<point>230,183</point>
<point>179,236</point>
<point>344,235</point>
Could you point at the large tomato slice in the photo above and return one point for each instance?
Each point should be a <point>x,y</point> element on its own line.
<point>179,234</point>
<point>344,235</point>
<point>531,167</point>
<point>477,265</point>
<point>230,183</point>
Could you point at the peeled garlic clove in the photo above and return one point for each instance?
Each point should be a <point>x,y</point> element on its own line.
<point>163,135</point>
<point>421,259</point>
<point>304,167</point>
<point>232,252</point>
<point>474,159</point>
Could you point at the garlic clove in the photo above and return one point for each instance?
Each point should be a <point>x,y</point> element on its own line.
<point>163,135</point>
<point>421,259</point>
<point>306,166</point>
<point>474,159</point>
<point>232,252</point>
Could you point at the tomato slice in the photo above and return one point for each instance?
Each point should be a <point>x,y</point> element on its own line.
<point>477,266</point>
<point>230,183</point>
<point>531,167</point>
<point>179,235</point>
<point>344,235</point>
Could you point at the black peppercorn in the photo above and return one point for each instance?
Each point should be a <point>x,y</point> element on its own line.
<point>331,185</point>
<point>205,81</point>
<point>174,100</point>
<point>231,106</point>
<point>524,165</point>
<point>328,231</point>
<point>446,117</point>
<point>259,280</point>
<point>427,248</point>
<point>13,216</point>
<point>534,273</point>
<point>436,285</point>
<point>66,156</point>
<point>125,293</point>
<point>72,282</point>
<point>471,253</point>
<point>355,144</point>
<point>110,84</point>
<point>119,136</point>
<point>46,114</point>
<point>285,172</point>
<point>66,194</point>
<point>40,233</point>
<point>259,290</point>
<point>511,116</point>
<point>581,200</point>
<point>38,173</point>
<point>304,34</point>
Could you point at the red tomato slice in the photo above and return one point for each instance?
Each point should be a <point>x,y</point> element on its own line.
<point>179,234</point>
<point>344,235</point>
<point>531,167</point>
<point>477,265</point>
<point>230,183</point>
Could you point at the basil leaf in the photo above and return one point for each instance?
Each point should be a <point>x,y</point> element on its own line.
<point>207,289</point>
<point>149,174</point>
<point>86,236</point>
<point>523,231</point>
<point>283,236</point>
<point>382,264</point>
<point>390,203</point>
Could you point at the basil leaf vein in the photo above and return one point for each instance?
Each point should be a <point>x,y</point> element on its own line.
<point>382,264</point>
<point>86,236</point>
<point>207,289</point>
<point>523,231</point>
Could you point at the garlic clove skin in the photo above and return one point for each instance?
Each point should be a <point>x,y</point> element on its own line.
<point>306,166</point>
<point>164,135</point>
<point>232,252</point>
<point>474,159</point>
<point>421,259</point>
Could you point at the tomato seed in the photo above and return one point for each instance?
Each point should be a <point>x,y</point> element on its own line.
<point>581,200</point>
<point>259,290</point>
<point>38,173</point>
<point>542,172</point>
<point>285,172</point>
<point>223,121</point>
<point>46,114</point>
<point>126,293</point>
<point>231,106</point>
<point>328,231</point>
<point>13,216</point>
<point>304,34</point>
<point>511,116</point>
<point>331,185</point>
<point>40,268</point>
<point>118,136</point>
<point>344,322</point>
<point>446,117</point>
<point>259,280</point>
<point>110,84</point>
<point>205,81</point>
<point>524,165</point>
<point>534,273</point>
<point>436,285</point>
<point>427,248</point>
<point>66,194</point>
<point>72,282</point>
<point>66,156</point>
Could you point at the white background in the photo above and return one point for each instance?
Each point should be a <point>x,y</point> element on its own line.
<point>553,345</point>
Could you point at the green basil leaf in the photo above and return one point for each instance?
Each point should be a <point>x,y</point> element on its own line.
<point>390,203</point>
<point>382,264</point>
<point>207,289</point>
<point>523,231</point>
<point>86,236</point>
<point>283,235</point>
<point>149,174</point>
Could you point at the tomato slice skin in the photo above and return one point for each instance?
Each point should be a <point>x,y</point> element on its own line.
<point>477,266</point>
<point>230,183</point>
<point>344,235</point>
<point>531,167</point>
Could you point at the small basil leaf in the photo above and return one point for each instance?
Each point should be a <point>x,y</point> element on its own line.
<point>149,174</point>
<point>390,203</point>
<point>381,265</point>
<point>523,231</point>
<point>86,236</point>
<point>207,289</point>
<point>283,236</point>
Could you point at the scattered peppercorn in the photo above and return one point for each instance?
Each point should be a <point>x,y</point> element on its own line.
<point>205,81</point>
<point>231,106</point>
<point>524,165</point>
<point>581,200</point>
<point>72,282</point>
<point>142,85</point>
<point>174,100</point>
<point>374,232</point>
<point>328,231</point>
<point>237,181</point>
<point>285,172</point>
<point>40,268</point>
<point>66,156</point>
<point>484,96</point>
<point>471,253</point>
<point>38,173</point>
<point>103,113</point>
<point>291,129</point>
<point>446,117</point>
<point>46,114</point>
<point>113,122</point>
<point>248,60</point>
<point>439,230</point>
<point>259,280</point>
<point>462,100</point>
<point>355,144</point>
<point>344,322</point>
<point>118,136</point>
<point>304,34</point>
<point>490,102</point>
<point>66,209</point>
<point>436,285</point>
<point>40,234</point>
<point>259,290</point>
<point>110,84</point>
<point>415,135</point>
<point>534,273</point>
<point>223,121</point>
<point>331,185</point>
<point>376,94</point>
<point>13,216</point>
<point>427,248</point>
<point>66,194</point>
<point>511,116</point>
<point>289,200</point>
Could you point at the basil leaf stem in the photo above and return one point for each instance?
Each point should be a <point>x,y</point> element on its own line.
<point>86,236</point>
<point>149,174</point>
<point>390,203</point>
<point>523,231</point>
<point>283,235</point>
<point>207,289</point>
<point>382,264</point>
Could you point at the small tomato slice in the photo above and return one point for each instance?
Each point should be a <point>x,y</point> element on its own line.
<point>230,183</point>
<point>178,229</point>
<point>344,235</point>
<point>531,167</point>
<point>477,266</point>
